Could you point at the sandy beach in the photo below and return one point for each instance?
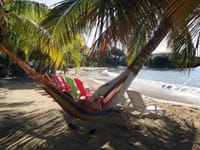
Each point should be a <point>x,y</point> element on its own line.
<point>30,120</point>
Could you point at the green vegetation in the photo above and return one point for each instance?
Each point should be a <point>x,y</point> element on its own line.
<point>112,58</point>
<point>17,19</point>
<point>166,60</point>
<point>23,35</point>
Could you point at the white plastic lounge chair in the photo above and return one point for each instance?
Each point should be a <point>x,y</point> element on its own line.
<point>139,105</point>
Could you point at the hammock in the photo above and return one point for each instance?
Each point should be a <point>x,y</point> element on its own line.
<point>112,92</point>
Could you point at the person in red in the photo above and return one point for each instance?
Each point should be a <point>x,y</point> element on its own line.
<point>99,103</point>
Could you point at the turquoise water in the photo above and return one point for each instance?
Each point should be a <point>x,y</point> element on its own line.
<point>186,78</point>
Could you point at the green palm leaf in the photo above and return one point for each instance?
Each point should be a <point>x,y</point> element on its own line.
<point>116,17</point>
<point>30,9</point>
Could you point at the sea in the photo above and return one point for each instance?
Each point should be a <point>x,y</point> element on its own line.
<point>188,77</point>
<point>170,85</point>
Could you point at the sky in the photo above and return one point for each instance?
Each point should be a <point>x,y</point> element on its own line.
<point>162,47</point>
<point>48,2</point>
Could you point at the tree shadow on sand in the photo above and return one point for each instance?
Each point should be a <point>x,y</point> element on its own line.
<point>19,83</point>
<point>51,128</point>
<point>48,129</point>
<point>165,134</point>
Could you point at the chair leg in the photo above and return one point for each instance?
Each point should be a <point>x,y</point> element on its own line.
<point>163,112</point>
<point>125,108</point>
<point>140,115</point>
<point>156,111</point>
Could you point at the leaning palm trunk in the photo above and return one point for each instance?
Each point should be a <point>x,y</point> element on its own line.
<point>131,72</point>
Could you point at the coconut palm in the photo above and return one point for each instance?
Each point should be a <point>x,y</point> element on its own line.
<point>16,16</point>
<point>139,25</point>
<point>15,12</point>
<point>21,17</point>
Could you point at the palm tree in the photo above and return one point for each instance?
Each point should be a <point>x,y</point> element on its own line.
<point>139,25</point>
<point>16,17</point>
<point>21,17</point>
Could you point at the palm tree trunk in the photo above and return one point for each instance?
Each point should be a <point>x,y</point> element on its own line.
<point>130,73</point>
<point>153,43</point>
<point>5,69</point>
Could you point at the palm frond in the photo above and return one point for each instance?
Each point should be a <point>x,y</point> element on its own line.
<point>184,36</point>
<point>121,17</point>
<point>30,9</point>
<point>22,25</point>
<point>194,27</point>
<point>180,11</point>
<point>136,44</point>
<point>182,46</point>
